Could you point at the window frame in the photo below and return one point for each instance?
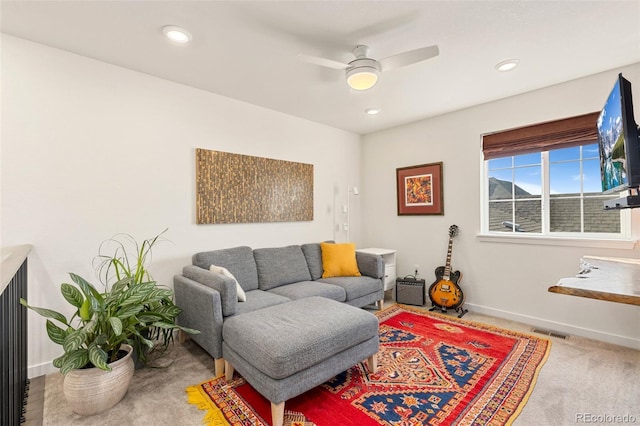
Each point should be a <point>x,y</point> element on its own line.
<point>622,240</point>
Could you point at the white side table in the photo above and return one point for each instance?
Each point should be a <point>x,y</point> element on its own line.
<point>389,258</point>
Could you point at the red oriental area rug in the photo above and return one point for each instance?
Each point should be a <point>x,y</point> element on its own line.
<point>432,370</point>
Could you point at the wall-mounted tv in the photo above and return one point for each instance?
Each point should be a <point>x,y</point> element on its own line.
<point>618,141</point>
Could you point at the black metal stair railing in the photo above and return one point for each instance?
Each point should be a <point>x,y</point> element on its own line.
<point>13,359</point>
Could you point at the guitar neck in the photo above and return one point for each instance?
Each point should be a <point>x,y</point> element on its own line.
<point>447,267</point>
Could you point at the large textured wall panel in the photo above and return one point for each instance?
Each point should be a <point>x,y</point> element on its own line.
<point>234,188</point>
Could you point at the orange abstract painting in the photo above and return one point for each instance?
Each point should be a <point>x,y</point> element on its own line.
<point>420,189</point>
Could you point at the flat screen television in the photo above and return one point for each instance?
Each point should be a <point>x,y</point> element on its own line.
<point>618,142</point>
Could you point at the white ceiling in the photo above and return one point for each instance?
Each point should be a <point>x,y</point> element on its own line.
<point>247,50</point>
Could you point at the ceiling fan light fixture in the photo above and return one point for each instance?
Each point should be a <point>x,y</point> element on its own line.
<point>362,78</point>
<point>176,34</point>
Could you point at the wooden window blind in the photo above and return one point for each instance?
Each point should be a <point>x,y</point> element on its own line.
<point>565,133</point>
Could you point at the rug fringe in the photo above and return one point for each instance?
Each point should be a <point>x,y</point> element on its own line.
<point>214,417</point>
<point>293,418</point>
<point>534,381</point>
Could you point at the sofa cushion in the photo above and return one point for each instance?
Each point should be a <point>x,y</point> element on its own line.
<point>242,297</point>
<point>355,287</point>
<point>258,299</point>
<point>280,265</point>
<point>304,289</point>
<point>238,260</point>
<point>313,255</point>
<point>339,260</point>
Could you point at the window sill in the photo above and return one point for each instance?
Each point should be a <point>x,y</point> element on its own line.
<point>559,241</point>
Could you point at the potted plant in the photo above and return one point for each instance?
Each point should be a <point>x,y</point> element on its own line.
<point>98,338</point>
<point>121,257</point>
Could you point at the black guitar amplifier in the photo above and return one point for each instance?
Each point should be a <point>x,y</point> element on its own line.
<point>410,291</point>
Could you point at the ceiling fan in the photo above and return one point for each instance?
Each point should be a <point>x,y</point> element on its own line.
<point>362,73</point>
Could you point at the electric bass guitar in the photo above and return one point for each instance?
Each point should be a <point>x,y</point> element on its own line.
<point>445,293</point>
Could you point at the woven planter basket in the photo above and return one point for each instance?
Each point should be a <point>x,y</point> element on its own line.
<point>91,391</point>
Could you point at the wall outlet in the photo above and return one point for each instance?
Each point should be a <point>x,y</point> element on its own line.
<point>416,267</point>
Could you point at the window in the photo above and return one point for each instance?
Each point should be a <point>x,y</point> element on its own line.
<point>541,184</point>
<point>566,180</point>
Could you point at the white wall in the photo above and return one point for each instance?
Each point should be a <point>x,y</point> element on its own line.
<point>90,150</point>
<point>503,279</point>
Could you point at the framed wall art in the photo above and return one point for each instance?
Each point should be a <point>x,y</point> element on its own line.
<point>420,190</point>
<point>234,188</point>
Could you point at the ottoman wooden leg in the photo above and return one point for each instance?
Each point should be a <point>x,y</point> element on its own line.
<point>373,363</point>
<point>277,414</point>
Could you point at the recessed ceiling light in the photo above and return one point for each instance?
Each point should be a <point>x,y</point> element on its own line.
<point>177,34</point>
<point>507,65</point>
<point>372,110</point>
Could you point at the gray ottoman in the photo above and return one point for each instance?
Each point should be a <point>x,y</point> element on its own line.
<point>288,349</point>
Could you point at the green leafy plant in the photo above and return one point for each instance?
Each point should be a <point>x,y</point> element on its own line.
<point>122,257</point>
<point>133,309</point>
<point>102,321</point>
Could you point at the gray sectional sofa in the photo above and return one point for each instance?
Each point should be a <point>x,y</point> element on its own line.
<point>268,276</point>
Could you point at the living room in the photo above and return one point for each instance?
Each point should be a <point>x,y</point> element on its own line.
<point>91,149</point>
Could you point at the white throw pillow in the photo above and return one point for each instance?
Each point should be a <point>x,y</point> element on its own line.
<point>242,297</point>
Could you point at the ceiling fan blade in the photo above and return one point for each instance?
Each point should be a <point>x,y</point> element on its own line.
<point>379,28</point>
<point>408,58</point>
<point>323,62</point>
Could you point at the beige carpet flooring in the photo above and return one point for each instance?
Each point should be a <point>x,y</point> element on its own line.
<point>583,381</point>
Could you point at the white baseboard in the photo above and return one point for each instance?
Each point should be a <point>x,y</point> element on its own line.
<point>41,369</point>
<point>557,326</point>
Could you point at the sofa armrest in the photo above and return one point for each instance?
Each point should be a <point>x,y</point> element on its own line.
<point>370,264</point>
<point>222,284</point>
<point>201,310</point>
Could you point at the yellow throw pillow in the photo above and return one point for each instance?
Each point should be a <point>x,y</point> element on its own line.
<point>339,260</point>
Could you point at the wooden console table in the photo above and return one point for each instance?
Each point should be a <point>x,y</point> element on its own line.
<point>610,278</point>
